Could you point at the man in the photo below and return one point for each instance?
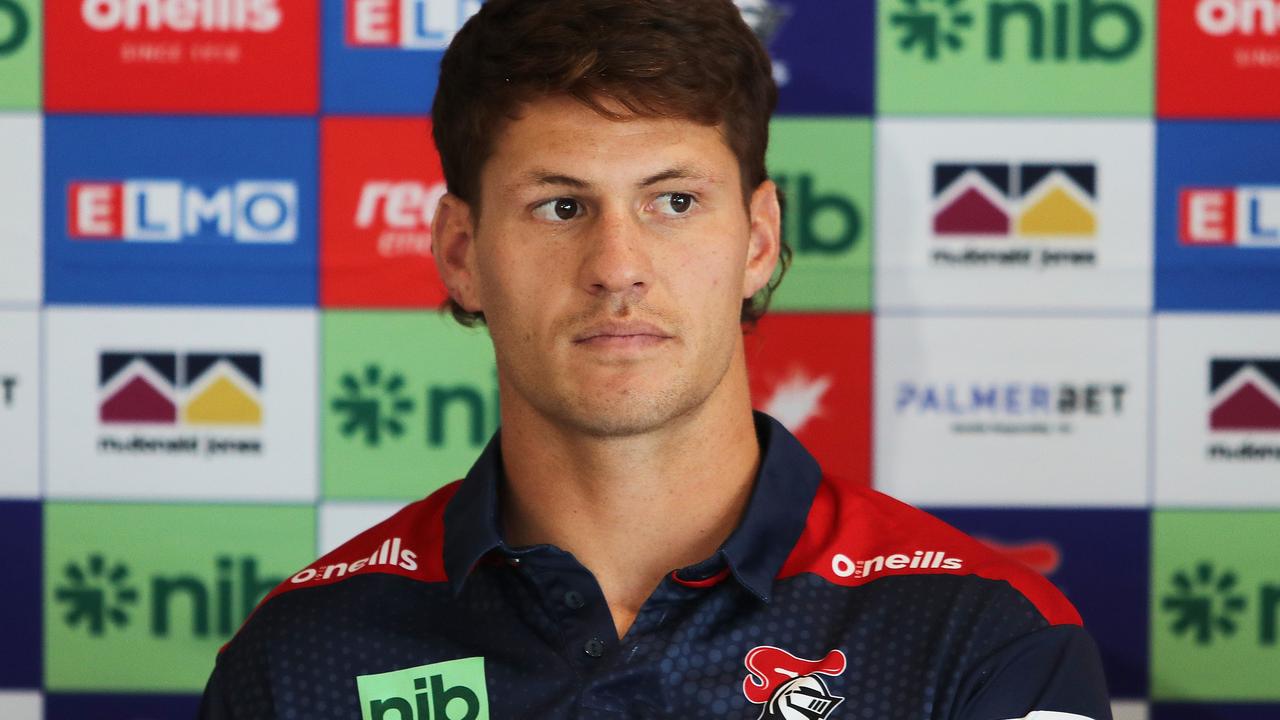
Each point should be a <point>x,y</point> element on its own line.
<point>634,542</point>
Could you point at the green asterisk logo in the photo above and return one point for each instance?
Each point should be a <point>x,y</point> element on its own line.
<point>931,25</point>
<point>372,405</point>
<point>96,594</point>
<point>1203,604</point>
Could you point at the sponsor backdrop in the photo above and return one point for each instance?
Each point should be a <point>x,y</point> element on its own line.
<point>1036,290</point>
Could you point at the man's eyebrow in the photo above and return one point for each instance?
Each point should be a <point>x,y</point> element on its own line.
<point>679,172</point>
<point>546,177</point>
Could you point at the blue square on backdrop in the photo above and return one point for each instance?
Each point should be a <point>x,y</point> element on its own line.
<point>823,53</point>
<point>383,56</point>
<point>1217,215</point>
<point>180,210</point>
<point>20,536</point>
<point>1099,559</point>
<point>101,706</point>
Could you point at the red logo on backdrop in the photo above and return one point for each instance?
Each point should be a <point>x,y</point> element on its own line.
<point>205,56</point>
<point>791,688</point>
<point>380,182</point>
<point>1218,58</point>
<point>813,374</point>
<point>1043,556</point>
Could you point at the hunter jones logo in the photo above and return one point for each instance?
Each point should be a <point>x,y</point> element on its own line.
<point>1244,398</point>
<point>182,17</point>
<point>1245,216</point>
<point>98,595</point>
<point>1012,408</point>
<point>1058,31</point>
<point>1243,19</point>
<point>15,27</point>
<point>374,406</point>
<point>1004,203</point>
<point>407,24</point>
<point>250,211</point>
<point>195,389</point>
<point>1205,605</point>
<point>402,213</point>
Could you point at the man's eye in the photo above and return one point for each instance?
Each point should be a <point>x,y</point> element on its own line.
<point>557,210</point>
<point>675,203</point>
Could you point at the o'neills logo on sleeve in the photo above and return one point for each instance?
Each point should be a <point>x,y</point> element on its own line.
<point>389,554</point>
<point>844,566</point>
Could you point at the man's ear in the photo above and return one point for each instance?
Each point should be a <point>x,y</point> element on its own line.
<point>765,240</point>
<point>453,245</point>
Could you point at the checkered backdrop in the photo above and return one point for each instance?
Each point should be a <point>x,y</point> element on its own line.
<point>1035,291</point>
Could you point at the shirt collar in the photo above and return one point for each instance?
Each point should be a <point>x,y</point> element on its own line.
<point>785,485</point>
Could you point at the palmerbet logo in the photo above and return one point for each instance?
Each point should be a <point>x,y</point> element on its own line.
<point>825,223</point>
<point>15,26</point>
<point>408,24</point>
<point>1052,31</point>
<point>1031,408</point>
<point>160,210</point>
<point>1205,604</point>
<point>374,405</point>
<point>99,596</point>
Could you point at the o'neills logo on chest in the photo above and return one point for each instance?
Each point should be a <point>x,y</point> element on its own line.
<point>388,554</point>
<point>789,687</point>
<point>844,566</point>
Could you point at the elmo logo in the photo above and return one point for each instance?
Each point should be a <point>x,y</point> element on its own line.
<point>790,688</point>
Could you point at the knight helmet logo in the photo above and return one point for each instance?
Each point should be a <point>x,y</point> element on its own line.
<point>791,688</point>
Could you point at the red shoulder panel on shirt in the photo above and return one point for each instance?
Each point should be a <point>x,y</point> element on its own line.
<point>409,543</point>
<point>855,535</point>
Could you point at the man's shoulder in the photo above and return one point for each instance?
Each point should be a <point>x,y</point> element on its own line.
<point>408,544</point>
<point>855,535</point>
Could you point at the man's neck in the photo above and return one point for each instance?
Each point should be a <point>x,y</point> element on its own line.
<point>632,509</point>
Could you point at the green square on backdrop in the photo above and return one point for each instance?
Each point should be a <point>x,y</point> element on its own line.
<point>409,400</point>
<point>824,167</point>
<point>140,597</point>
<point>21,33</point>
<point>1015,57</point>
<point>1215,606</point>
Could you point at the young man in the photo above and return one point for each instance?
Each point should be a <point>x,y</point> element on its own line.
<point>635,542</point>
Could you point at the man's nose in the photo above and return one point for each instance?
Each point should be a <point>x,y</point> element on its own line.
<point>616,257</point>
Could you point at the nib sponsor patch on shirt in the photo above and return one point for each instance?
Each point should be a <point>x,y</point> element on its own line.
<point>454,689</point>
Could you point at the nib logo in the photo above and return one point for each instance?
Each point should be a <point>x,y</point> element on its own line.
<point>14,27</point>
<point>1204,604</point>
<point>797,400</point>
<point>96,594</point>
<point>1064,32</point>
<point>1245,394</point>
<point>931,25</point>
<point>1028,200</point>
<point>101,594</point>
<point>372,405</point>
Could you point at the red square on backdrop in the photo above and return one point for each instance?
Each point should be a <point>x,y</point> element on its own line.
<point>241,56</point>
<point>380,179</point>
<point>813,374</point>
<point>1218,58</point>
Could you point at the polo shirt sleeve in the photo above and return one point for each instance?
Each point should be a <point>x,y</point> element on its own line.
<point>214,705</point>
<point>1054,673</point>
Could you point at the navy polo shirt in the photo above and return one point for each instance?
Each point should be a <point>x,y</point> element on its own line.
<point>828,601</point>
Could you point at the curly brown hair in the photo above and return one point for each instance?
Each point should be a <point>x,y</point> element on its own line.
<point>654,58</point>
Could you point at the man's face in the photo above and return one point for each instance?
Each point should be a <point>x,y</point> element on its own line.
<point>610,260</point>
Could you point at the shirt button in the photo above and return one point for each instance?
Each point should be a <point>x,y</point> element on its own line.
<point>594,647</point>
<point>573,600</point>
